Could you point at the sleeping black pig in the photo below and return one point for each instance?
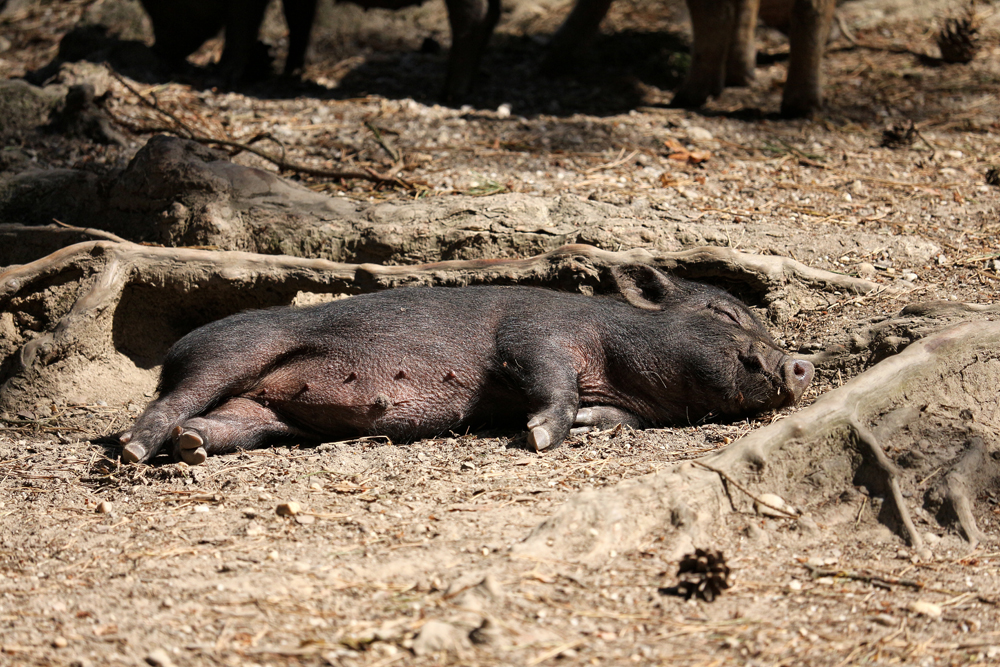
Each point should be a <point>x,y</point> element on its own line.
<point>418,362</point>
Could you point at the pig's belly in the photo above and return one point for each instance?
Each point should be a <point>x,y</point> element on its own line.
<point>401,400</point>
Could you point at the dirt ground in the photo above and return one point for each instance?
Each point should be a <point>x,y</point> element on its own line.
<point>402,553</point>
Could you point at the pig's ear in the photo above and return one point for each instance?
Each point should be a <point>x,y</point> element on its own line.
<point>643,286</point>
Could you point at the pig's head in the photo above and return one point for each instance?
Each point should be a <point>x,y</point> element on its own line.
<point>725,358</point>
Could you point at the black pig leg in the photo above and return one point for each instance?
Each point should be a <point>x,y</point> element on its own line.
<point>579,28</point>
<point>242,25</point>
<point>299,15</point>
<point>472,23</point>
<point>550,386</point>
<point>597,417</point>
<point>239,423</point>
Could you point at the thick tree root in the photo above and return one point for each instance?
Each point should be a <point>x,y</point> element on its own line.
<point>867,344</point>
<point>102,309</point>
<point>917,404</point>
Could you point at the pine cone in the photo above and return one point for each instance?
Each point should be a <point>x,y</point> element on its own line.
<point>959,39</point>
<point>899,135</point>
<point>993,176</point>
<point>703,574</point>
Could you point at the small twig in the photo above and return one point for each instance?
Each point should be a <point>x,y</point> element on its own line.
<point>189,133</point>
<point>845,31</point>
<point>552,653</point>
<point>742,488</point>
<point>854,575</point>
<point>876,579</point>
<point>381,142</point>
<point>267,135</point>
<point>617,161</point>
<point>153,105</point>
<point>368,174</point>
<point>924,139</point>
<point>99,233</point>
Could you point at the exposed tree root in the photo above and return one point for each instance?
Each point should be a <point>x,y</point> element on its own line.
<point>954,495</point>
<point>890,474</point>
<point>865,345</point>
<point>916,405</point>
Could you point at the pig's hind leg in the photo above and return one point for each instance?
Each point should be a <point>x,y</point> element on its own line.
<point>239,423</point>
<point>599,417</point>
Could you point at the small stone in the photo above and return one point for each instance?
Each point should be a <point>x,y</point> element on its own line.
<point>758,535</point>
<point>772,505</point>
<point>104,507</point>
<point>808,526</point>
<point>696,133</point>
<point>503,111</point>
<point>795,585</point>
<point>60,642</point>
<point>436,636</point>
<point>291,508</point>
<point>486,633</point>
<point>865,270</point>
<point>928,609</point>
<point>305,519</point>
<point>159,658</point>
<point>925,555</point>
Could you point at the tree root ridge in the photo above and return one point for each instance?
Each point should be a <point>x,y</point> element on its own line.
<point>891,475</point>
<point>953,495</point>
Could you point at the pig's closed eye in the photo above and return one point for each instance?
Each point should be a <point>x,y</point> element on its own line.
<point>725,313</point>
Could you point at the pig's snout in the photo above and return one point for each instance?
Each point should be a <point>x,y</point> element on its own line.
<point>797,373</point>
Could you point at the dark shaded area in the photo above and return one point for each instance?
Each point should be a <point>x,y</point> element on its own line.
<point>149,319</point>
<point>610,79</point>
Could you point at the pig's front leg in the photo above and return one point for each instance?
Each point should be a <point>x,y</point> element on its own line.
<point>599,417</point>
<point>551,423</point>
<point>548,380</point>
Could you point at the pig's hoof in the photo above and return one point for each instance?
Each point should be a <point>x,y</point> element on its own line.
<point>585,417</point>
<point>194,457</point>
<point>191,446</point>
<point>125,437</point>
<point>133,453</point>
<point>539,438</point>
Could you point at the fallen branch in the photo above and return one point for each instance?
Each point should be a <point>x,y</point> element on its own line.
<point>185,131</point>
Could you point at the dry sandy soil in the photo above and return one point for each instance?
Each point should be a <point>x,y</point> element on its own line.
<point>401,551</point>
